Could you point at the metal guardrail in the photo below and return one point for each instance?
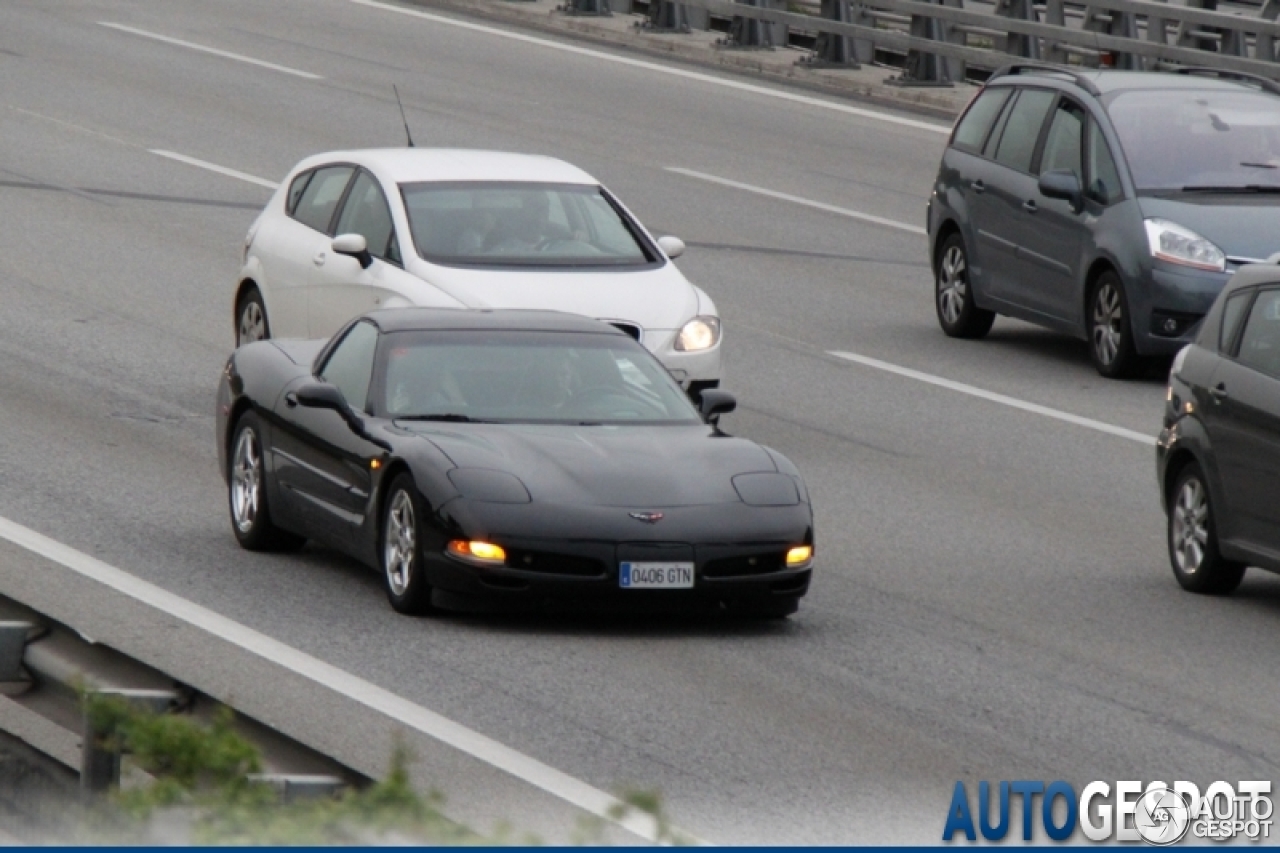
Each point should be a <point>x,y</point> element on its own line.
<point>941,37</point>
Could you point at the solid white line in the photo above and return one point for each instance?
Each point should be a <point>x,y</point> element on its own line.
<point>427,722</point>
<point>214,167</point>
<point>665,69</point>
<point>795,199</point>
<point>213,50</point>
<point>1012,402</point>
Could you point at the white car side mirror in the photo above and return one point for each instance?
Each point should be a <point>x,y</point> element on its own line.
<point>355,246</point>
<point>672,246</point>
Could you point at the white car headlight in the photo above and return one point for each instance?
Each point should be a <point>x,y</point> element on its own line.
<point>1171,242</point>
<point>698,334</point>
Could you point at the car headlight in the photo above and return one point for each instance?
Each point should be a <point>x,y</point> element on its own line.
<point>1171,242</point>
<point>698,334</point>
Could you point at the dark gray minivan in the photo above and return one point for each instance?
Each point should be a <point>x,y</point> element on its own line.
<point>1109,205</point>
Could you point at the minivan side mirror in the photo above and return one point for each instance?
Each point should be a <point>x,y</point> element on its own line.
<point>1063,184</point>
<point>355,246</point>
<point>673,246</point>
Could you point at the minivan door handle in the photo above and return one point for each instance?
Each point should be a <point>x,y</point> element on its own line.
<point>978,186</point>
<point>1218,392</point>
<point>1030,205</point>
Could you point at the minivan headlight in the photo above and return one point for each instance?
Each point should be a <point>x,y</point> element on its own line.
<point>1170,242</point>
<point>698,334</point>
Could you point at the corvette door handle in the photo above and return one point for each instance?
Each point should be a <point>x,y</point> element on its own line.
<point>978,186</point>
<point>318,260</point>
<point>1218,392</point>
<point>291,400</point>
<point>1030,205</point>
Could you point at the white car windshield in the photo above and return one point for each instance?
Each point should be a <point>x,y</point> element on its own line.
<point>521,224</point>
<point>528,377</point>
<point>1200,140</point>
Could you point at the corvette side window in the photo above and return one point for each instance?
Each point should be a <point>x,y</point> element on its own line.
<point>320,197</point>
<point>366,213</point>
<point>350,365</point>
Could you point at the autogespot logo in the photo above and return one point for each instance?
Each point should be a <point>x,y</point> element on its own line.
<point>1156,813</point>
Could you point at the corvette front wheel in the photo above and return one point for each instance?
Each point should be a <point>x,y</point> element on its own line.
<point>402,569</point>
<point>247,493</point>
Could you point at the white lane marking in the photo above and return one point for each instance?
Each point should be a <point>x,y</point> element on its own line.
<point>666,69</point>
<point>284,69</point>
<point>370,695</point>
<point>795,199</point>
<point>1012,402</point>
<point>214,167</point>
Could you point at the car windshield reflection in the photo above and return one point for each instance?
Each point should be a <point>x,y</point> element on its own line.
<point>521,224</point>
<point>528,377</point>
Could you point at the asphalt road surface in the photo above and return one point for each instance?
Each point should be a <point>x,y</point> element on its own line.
<point>991,600</point>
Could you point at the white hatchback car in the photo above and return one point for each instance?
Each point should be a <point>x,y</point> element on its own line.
<point>350,231</point>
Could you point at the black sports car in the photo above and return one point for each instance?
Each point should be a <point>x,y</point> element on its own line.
<point>481,457</point>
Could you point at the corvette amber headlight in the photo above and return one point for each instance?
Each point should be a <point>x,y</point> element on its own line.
<point>698,334</point>
<point>1171,242</point>
<point>800,557</point>
<point>477,553</point>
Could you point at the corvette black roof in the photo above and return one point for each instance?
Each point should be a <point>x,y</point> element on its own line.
<point>479,319</point>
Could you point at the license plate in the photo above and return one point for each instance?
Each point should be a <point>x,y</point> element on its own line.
<point>656,575</point>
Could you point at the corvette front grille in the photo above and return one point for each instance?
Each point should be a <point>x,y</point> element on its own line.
<point>548,563</point>
<point>747,564</point>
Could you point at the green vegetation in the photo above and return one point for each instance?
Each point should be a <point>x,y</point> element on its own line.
<point>198,790</point>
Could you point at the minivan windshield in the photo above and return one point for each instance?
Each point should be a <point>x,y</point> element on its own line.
<point>521,224</point>
<point>1199,140</point>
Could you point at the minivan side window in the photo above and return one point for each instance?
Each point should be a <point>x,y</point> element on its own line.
<point>1260,342</point>
<point>320,198</point>
<point>1064,144</point>
<point>1022,129</point>
<point>350,365</point>
<point>1104,177</point>
<point>1232,314</point>
<point>971,132</point>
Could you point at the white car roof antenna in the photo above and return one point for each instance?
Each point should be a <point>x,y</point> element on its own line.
<point>407,134</point>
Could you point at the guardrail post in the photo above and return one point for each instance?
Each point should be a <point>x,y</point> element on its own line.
<point>666,16</point>
<point>1198,35</point>
<point>297,786</point>
<point>1264,44</point>
<point>752,32</point>
<point>1055,15</point>
<point>929,69</point>
<point>100,753</point>
<point>1020,44</point>
<point>833,49</point>
<point>13,642</point>
<point>1122,24</point>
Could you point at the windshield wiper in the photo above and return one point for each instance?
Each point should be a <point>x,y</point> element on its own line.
<point>451,417</point>
<point>1238,188</point>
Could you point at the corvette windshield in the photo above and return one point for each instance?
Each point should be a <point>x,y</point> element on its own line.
<point>521,224</point>
<point>1200,141</point>
<point>528,377</point>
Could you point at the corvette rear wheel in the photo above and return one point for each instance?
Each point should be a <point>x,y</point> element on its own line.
<point>247,493</point>
<point>251,318</point>
<point>402,564</point>
<point>1193,539</point>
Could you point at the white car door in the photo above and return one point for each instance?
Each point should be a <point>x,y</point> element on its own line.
<point>341,288</point>
<point>288,247</point>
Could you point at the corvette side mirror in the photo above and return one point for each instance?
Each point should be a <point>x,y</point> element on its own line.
<point>715,403</point>
<point>321,395</point>
<point>355,246</point>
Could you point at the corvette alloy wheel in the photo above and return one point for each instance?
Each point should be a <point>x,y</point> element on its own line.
<point>400,546</point>
<point>246,481</point>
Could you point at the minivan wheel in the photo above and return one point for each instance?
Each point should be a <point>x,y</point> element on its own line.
<point>958,315</point>
<point>1110,329</point>
<point>1193,539</point>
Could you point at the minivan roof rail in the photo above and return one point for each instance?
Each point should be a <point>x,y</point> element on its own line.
<point>1264,83</point>
<point>1043,68</point>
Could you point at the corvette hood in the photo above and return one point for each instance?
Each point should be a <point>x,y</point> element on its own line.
<point>641,467</point>
<point>656,298</point>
